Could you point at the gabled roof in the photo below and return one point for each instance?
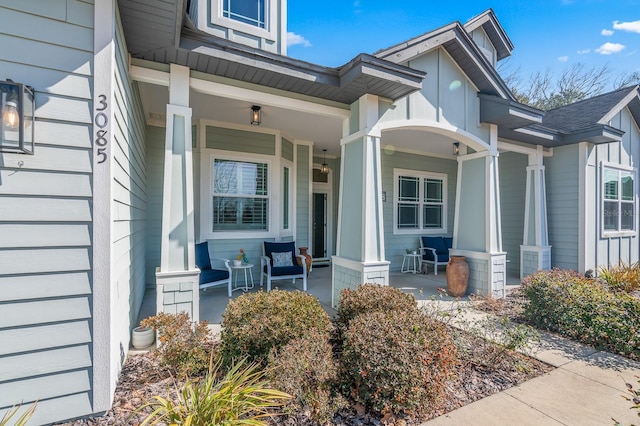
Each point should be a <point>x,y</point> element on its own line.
<point>458,43</point>
<point>596,110</point>
<point>490,24</point>
<point>162,32</point>
<point>583,121</point>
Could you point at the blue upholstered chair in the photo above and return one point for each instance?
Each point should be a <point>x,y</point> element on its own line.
<point>279,262</point>
<point>435,250</point>
<point>210,277</point>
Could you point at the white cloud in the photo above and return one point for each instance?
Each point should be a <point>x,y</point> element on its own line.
<point>609,48</point>
<point>583,52</point>
<point>293,39</point>
<point>632,27</point>
<point>563,58</point>
<point>606,32</point>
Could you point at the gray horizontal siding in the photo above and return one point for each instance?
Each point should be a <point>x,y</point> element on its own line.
<point>240,141</point>
<point>46,213</point>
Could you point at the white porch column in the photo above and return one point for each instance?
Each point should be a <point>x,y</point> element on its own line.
<point>477,232</point>
<point>177,276</point>
<point>360,239</point>
<point>535,251</point>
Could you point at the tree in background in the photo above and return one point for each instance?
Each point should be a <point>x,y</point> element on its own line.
<point>544,91</point>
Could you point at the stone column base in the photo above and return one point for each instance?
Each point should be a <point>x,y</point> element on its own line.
<point>177,292</point>
<point>347,273</point>
<point>534,258</point>
<point>487,272</point>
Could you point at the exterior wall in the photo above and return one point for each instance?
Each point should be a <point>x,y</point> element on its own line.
<point>481,39</point>
<point>129,205</point>
<point>449,97</point>
<point>395,244</point>
<point>155,178</point>
<point>608,249</point>
<point>513,169</point>
<point>562,179</point>
<point>303,196</point>
<point>206,15</point>
<point>46,214</point>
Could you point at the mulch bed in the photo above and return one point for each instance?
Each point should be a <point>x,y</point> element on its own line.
<point>142,378</point>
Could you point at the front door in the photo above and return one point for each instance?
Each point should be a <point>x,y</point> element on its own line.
<point>319,249</point>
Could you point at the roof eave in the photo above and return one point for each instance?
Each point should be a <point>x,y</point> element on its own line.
<point>507,113</point>
<point>490,24</point>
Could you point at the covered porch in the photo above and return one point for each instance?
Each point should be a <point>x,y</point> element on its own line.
<point>214,301</point>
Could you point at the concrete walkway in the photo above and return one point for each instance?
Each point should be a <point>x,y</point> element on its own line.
<point>586,388</point>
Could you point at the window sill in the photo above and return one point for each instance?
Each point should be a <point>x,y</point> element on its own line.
<point>616,234</point>
<point>419,231</point>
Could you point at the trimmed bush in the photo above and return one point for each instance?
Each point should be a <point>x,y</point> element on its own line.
<point>184,346</point>
<point>254,323</point>
<point>584,310</point>
<point>370,298</point>
<point>305,369</point>
<point>397,361</point>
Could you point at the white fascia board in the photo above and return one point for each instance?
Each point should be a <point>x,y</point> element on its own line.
<point>616,109</point>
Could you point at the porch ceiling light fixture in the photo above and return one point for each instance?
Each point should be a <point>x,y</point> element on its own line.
<point>324,169</point>
<point>456,148</point>
<point>16,123</point>
<point>255,115</point>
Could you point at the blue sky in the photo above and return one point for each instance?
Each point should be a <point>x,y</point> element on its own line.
<point>550,34</point>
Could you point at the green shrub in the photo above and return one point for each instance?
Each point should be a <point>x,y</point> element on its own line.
<point>184,346</point>
<point>254,323</point>
<point>584,310</point>
<point>369,298</point>
<point>241,397</point>
<point>622,277</point>
<point>397,361</point>
<point>305,368</point>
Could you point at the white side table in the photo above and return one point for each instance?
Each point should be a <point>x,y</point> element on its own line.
<point>242,267</point>
<point>411,263</point>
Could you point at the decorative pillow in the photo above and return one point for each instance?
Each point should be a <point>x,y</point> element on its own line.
<point>282,259</point>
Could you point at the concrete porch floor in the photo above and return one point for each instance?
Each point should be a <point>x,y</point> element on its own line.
<point>214,300</point>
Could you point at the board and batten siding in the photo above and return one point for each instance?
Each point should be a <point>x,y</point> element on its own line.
<point>46,213</point>
<point>609,249</point>
<point>562,185</point>
<point>513,182</point>
<point>395,244</point>
<point>129,205</point>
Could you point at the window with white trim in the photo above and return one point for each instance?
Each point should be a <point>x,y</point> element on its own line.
<point>250,12</point>
<point>618,204</point>
<point>286,195</point>
<point>420,201</point>
<point>240,196</point>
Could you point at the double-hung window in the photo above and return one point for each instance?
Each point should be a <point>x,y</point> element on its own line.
<point>618,204</point>
<point>420,202</point>
<point>240,196</point>
<point>250,12</point>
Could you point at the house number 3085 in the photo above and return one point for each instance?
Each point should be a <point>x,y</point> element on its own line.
<point>101,120</point>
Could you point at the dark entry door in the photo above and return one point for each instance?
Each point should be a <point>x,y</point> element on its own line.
<point>319,225</point>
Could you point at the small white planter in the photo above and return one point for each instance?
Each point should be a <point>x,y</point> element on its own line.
<point>237,263</point>
<point>142,337</point>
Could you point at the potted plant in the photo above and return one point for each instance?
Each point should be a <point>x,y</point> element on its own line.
<point>142,337</point>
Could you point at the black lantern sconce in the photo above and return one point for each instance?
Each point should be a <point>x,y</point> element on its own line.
<point>456,148</point>
<point>324,169</point>
<point>255,115</point>
<point>16,119</point>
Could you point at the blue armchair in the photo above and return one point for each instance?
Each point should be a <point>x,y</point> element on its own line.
<point>210,277</point>
<point>435,250</point>
<point>279,262</point>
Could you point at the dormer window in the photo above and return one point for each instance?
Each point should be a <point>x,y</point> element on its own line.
<point>250,12</point>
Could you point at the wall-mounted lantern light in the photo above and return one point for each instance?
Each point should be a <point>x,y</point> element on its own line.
<point>16,119</point>
<point>456,148</point>
<point>255,115</point>
<point>324,169</point>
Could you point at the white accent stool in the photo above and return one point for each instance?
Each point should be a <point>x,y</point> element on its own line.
<point>237,269</point>
<point>411,263</point>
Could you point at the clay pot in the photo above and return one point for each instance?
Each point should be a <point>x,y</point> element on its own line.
<point>457,276</point>
<point>142,337</point>
<point>308,258</point>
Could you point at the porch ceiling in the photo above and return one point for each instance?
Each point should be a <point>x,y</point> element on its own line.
<point>323,131</point>
<point>419,141</point>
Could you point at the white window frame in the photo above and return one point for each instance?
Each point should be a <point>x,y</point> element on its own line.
<point>421,175</point>
<point>269,32</point>
<point>609,233</point>
<point>207,193</point>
